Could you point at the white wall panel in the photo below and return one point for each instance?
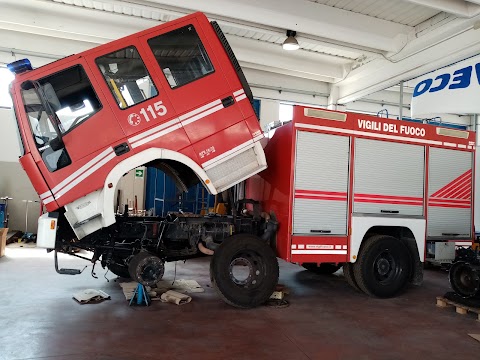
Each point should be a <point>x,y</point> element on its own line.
<point>9,141</point>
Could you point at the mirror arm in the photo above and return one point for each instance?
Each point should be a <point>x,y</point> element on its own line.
<point>52,116</point>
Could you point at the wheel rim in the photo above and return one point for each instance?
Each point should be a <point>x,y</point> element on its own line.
<point>385,267</point>
<point>151,271</point>
<point>247,269</point>
<point>464,279</point>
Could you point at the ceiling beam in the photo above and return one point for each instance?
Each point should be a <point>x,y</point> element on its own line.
<point>271,55</point>
<point>76,26</point>
<point>280,71</point>
<point>460,8</point>
<point>302,16</point>
<point>51,19</point>
<point>382,73</point>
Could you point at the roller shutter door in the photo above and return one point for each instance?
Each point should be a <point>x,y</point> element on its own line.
<point>449,193</point>
<point>388,178</point>
<point>321,184</point>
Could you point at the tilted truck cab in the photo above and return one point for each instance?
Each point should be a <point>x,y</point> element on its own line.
<point>172,97</point>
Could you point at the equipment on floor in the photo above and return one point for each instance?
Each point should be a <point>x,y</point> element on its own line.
<point>140,295</point>
<point>90,296</point>
<point>464,274</point>
<point>28,236</point>
<point>4,211</point>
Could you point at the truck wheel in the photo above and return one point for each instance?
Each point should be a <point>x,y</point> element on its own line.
<point>383,266</point>
<point>465,279</point>
<point>244,270</point>
<point>322,269</point>
<point>145,268</point>
<point>348,274</point>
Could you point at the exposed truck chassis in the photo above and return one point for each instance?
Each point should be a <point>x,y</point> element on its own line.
<point>138,247</point>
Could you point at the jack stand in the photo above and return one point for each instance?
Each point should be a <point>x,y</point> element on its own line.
<point>141,294</point>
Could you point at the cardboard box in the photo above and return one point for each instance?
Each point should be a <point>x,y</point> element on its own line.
<point>3,240</point>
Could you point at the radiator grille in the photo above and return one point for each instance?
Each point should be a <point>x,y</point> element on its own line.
<point>230,172</point>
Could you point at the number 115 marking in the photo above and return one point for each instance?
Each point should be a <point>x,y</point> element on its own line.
<point>160,110</point>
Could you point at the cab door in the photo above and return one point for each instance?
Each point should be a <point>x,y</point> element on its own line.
<point>137,101</point>
<point>83,118</point>
<point>186,66</point>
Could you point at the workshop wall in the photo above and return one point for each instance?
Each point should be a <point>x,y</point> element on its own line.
<point>15,183</point>
<point>13,180</point>
<point>9,146</point>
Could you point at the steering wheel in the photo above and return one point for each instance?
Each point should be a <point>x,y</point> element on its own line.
<point>44,139</point>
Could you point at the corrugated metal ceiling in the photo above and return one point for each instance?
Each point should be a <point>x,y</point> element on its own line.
<point>401,12</point>
<point>280,38</point>
<point>158,15</point>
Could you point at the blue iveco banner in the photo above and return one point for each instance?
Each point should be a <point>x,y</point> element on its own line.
<point>453,89</point>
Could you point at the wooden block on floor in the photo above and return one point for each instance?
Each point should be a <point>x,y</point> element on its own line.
<point>441,303</point>
<point>461,311</point>
<point>475,336</point>
<point>459,308</point>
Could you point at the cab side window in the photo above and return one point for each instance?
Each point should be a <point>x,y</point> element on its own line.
<point>66,99</point>
<point>127,77</point>
<point>181,56</point>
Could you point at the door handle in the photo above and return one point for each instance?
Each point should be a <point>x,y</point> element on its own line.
<point>228,101</point>
<point>390,211</point>
<point>321,231</point>
<point>121,149</point>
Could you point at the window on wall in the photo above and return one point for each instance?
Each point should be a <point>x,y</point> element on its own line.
<point>285,112</point>
<point>181,55</point>
<point>127,77</point>
<point>6,78</point>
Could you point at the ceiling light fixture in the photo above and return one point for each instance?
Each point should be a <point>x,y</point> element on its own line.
<point>290,42</point>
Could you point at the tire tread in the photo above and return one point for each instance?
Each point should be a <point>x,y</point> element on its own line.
<point>349,276</point>
<point>359,264</point>
<point>222,254</point>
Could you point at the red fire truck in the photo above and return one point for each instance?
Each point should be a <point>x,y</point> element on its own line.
<point>341,189</point>
<point>369,193</point>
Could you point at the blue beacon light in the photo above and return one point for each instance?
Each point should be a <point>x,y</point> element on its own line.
<point>20,66</point>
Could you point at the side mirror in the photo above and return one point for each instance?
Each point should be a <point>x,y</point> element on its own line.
<point>57,144</point>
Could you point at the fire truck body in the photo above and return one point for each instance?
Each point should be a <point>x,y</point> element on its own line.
<point>335,180</point>
<point>173,94</point>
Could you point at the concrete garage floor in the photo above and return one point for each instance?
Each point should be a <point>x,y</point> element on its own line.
<point>326,319</point>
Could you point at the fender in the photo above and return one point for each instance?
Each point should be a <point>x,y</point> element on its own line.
<point>95,210</point>
<point>361,225</point>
